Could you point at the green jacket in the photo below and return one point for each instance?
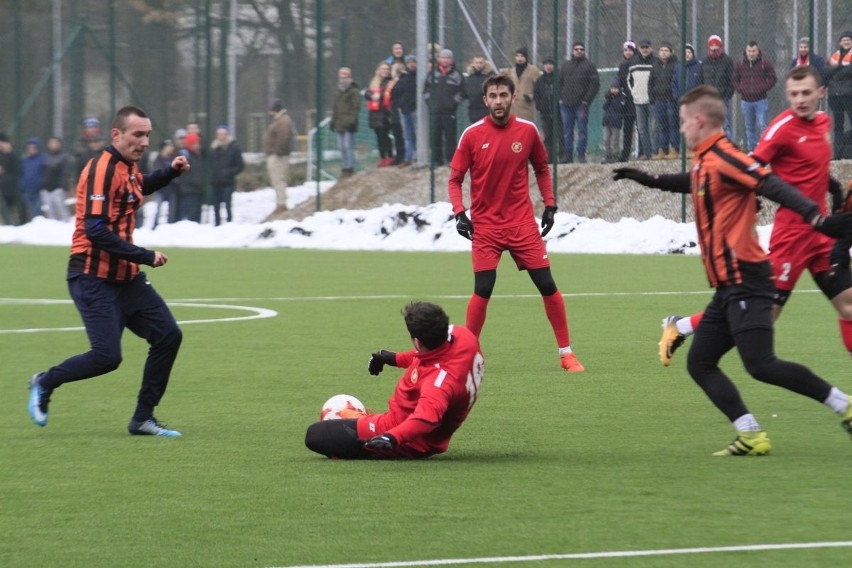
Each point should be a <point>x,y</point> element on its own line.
<point>347,106</point>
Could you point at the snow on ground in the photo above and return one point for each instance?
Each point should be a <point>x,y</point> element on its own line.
<point>394,227</point>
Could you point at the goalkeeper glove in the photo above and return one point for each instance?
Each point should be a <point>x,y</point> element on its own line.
<point>547,219</point>
<point>383,443</point>
<point>464,226</point>
<point>379,359</point>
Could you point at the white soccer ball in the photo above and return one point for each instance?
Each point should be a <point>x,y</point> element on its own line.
<point>332,407</point>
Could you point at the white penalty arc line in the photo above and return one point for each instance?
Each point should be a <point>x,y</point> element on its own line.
<point>256,313</point>
<point>584,555</point>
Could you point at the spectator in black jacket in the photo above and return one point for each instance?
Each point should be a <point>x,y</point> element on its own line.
<point>404,101</point>
<point>613,117</point>
<point>477,72</point>
<point>56,175</point>
<point>719,73</point>
<point>10,168</point>
<point>628,50</point>
<point>666,121</point>
<point>578,86</point>
<point>545,102</point>
<point>226,162</point>
<point>444,102</point>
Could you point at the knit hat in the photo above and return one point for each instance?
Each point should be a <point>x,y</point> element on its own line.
<point>547,60</point>
<point>409,58</point>
<point>523,51</point>
<point>191,139</point>
<point>714,41</point>
<point>179,133</point>
<point>690,47</point>
<point>276,106</point>
<point>34,141</point>
<point>91,122</point>
<point>666,44</point>
<point>445,53</point>
<point>628,45</point>
<point>846,34</point>
<point>645,42</point>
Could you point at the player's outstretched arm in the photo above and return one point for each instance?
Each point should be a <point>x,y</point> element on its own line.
<point>675,183</point>
<point>379,359</point>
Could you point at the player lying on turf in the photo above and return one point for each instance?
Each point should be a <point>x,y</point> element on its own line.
<point>432,398</point>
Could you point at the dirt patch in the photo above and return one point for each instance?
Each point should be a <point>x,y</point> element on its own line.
<point>583,189</point>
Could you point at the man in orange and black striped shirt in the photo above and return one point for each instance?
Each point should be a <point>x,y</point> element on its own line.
<point>104,280</point>
<point>724,183</point>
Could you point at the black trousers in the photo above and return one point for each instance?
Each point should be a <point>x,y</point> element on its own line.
<point>107,309</point>
<point>741,317</point>
<point>336,439</point>
<point>444,140</point>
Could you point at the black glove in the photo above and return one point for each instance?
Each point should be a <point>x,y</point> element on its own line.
<point>547,219</point>
<point>838,225</point>
<point>379,359</point>
<point>839,258</point>
<point>464,226</point>
<point>384,443</point>
<point>636,175</point>
<point>837,197</point>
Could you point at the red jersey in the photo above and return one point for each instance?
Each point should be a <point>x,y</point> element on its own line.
<point>432,398</point>
<point>498,158</point>
<point>799,152</point>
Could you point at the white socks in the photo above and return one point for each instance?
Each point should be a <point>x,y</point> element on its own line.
<point>746,423</point>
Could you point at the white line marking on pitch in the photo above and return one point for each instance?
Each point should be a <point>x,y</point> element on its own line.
<point>585,555</point>
<point>257,313</point>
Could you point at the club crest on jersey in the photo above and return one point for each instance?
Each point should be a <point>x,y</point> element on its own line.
<point>97,197</point>
<point>517,147</point>
<point>414,376</point>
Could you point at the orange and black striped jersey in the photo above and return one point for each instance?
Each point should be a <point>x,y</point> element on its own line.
<point>724,181</point>
<point>109,192</point>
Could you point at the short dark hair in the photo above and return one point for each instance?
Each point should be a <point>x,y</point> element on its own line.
<point>124,112</point>
<point>803,72</point>
<point>752,43</point>
<point>498,80</point>
<point>427,322</point>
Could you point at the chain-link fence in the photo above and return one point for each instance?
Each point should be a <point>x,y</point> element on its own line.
<point>223,61</point>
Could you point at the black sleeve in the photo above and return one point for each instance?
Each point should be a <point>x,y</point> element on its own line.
<point>158,180</point>
<point>782,193</point>
<point>100,235</point>
<point>675,183</point>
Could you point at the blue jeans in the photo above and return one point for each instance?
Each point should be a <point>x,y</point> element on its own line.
<point>346,145</point>
<point>727,128</point>
<point>570,115</point>
<point>409,132</point>
<point>643,129</point>
<point>668,125</point>
<point>754,115</point>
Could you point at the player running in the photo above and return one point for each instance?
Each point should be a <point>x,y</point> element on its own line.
<point>724,183</point>
<point>797,146</point>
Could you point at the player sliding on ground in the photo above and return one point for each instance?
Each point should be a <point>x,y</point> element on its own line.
<point>724,183</point>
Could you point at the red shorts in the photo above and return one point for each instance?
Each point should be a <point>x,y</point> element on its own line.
<point>523,242</point>
<point>792,251</point>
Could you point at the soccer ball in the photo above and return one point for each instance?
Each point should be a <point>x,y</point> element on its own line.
<point>332,407</point>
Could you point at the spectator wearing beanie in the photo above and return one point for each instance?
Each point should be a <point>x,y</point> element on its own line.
<point>524,75</point>
<point>838,76</point>
<point>718,70</point>
<point>694,73</point>
<point>628,52</point>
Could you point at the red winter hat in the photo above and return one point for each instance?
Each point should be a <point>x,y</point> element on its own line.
<point>191,139</point>
<point>714,41</point>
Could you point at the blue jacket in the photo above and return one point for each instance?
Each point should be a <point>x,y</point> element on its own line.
<point>32,173</point>
<point>694,77</point>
